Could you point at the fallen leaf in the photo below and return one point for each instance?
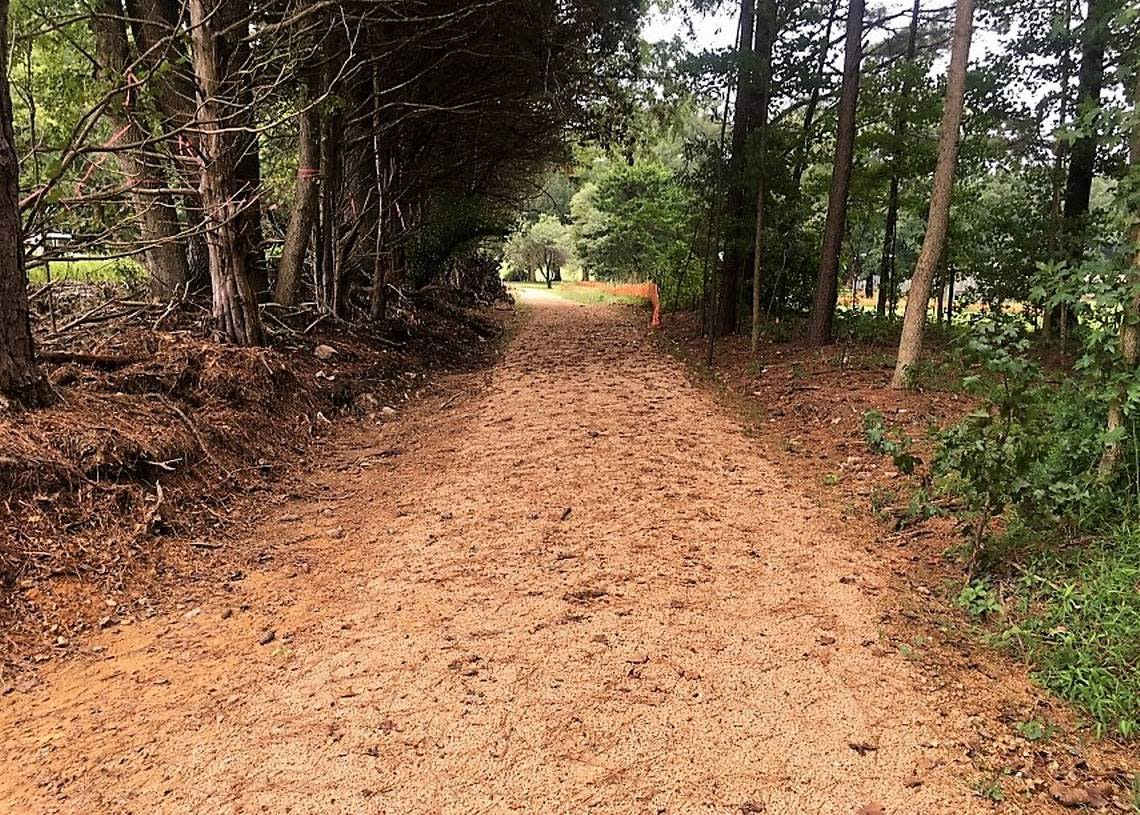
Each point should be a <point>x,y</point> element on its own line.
<point>1095,795</point>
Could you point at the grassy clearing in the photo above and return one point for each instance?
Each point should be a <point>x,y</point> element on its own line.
<point>118,270</point>
<point>583,294</point>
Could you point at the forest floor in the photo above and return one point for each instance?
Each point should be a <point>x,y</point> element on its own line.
<point>577,581</point>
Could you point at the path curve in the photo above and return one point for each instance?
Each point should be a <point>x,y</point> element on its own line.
<point>578,586</point>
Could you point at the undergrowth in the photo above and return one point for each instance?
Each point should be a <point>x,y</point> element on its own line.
<point>1075,616</point>
<point>1051,544</point>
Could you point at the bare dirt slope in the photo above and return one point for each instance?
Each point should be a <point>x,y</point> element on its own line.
<point>574,585</point>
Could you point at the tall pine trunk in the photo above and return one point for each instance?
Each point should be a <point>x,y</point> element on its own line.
<point>728,299</point>
<point>225,198</point>
<point>146,172</point>
<point>20,379</point>
<point>765,39</point>
<point>156,25</point>
<point>1083,155</point>
<point>938,221</point>
<point>888,284</point>
<point>827,282</point>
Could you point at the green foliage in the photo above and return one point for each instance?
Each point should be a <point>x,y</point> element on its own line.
<point>455,226</point>
<point>1035,730</point>
<point>979,600</point>
<point>539,249</point>
<point>634,222</point>
<point>989,459</point>
<point>860,326</point>
<point>990,788</point>
<point>886,442</point>
<point>1079,625</point>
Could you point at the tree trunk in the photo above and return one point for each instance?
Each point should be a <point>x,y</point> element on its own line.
<point>378,300</point>
<point>329,295</point>
<point>1083,155</point>
<point>1130,321</point>
<point>1090,82</point>
<point>230,24</point>
<point>225,198</point>
<point>248,171</point>
<point>146,175</point>
<point>950,298</point>
<point>20,379</point>
<point>827,282</point>
<point>887,264</point>
<point>813,98</point>
<point>306,193</point>
<point>728,300</point>
<point>1057,177</point>
<point>765,39</point>
<point>938,221</point>
<point>156,25</point>
<point>887,272</point>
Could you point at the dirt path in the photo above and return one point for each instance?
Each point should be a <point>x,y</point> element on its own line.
<point>577,586</point>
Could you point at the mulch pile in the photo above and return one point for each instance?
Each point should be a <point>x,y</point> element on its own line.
<point>160,437</point>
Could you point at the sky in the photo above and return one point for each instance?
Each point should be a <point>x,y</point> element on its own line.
<point>719,30</point>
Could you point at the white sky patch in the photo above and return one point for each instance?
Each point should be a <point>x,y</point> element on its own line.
<point>719,30</point>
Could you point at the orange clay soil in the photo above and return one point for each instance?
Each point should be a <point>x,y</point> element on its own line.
<point>573,585</point>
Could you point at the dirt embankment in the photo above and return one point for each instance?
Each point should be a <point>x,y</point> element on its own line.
<point>160,438</point>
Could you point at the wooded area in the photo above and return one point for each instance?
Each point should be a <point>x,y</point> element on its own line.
<point>207,206</point>
<point>166,132</point>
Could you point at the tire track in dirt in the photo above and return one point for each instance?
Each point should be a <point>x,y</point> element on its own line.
<point>692,636</point>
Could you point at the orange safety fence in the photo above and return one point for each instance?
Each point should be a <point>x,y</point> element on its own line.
<point>645,291</point>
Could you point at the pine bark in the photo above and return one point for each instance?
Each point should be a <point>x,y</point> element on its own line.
<point>765,38</point>
<point>225,198</point>
<point>827,282</point>
<point>306,199</point>
<point>938,220</point>
<point>156,26</point>
<point>21,381</point>
<point>887,271</point>
<point>728,299</point>
<point>145,169</point>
